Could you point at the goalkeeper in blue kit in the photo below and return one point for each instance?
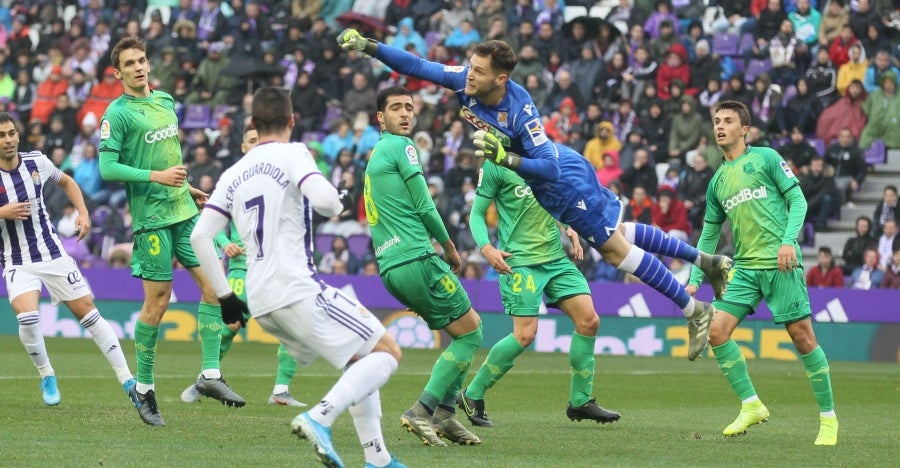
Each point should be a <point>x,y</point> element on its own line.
<point>562,181</point>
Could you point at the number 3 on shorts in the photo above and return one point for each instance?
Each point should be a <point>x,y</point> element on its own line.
<point>448,283</point>
<point>153,239</point>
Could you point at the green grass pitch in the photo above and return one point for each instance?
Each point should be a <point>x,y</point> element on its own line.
<point>673,412</point>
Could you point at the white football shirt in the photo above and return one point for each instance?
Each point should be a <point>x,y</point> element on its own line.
<point>262,194</point>
<point>32,240</point>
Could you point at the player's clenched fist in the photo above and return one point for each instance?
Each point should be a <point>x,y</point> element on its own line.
<point>351,39</point>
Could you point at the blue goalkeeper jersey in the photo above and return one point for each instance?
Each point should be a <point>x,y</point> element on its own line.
<point>561,179</point>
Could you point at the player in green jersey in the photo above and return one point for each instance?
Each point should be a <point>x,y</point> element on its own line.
<point>403,219</point>
<point>139,146</point>
<point>756,191</point>
<point>533,263</point>
<point>229,242</point>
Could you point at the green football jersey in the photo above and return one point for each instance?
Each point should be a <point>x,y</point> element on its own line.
<point>749,192</point>
<point>394,215</point>
<point>525,230</point>
<point>144,134</point>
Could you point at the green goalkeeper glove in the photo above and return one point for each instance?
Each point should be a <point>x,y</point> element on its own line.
<point>493,151</point>
<point>351,39</point>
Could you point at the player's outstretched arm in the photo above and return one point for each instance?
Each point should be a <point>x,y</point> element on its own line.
<point>322,196</point>
<point>203,236</point>
<point>73,192</point>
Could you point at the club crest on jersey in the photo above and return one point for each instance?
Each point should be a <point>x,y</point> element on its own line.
<point>536,131</point>
<point>104,129</point>
<point>787,169</point>
<point>469,116</point>
<point>503,119</point>
<point>35,177</point>
<point>412,155</point>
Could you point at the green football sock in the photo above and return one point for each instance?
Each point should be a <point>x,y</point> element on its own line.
<point>227,339</point>
<point>734,368</point>
<point>287,366</point>
<point>819,375</point>
<point>500,359</point>
<point>145,350</point>
<point>454,362</point>
<point>209,327</point>
<point>581,361</point>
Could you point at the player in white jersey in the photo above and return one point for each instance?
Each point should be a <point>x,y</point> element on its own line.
<point>32,255</point>
<point>270,194</point>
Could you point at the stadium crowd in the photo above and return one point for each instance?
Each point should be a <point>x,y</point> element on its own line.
<point>631,91</point>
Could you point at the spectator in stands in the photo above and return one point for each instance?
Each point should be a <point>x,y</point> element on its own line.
<point>165,70</point>
<point>485,14</point>
<point>834,19</point>
<point>627,14</point>
<point>661,41</point>
<point>674,67</point>
<point>704,67</point>
<point>211,86</point>
<point>826,274</point>
<point>611,170</point>
<point>563,121</point>
<point>464,171</point>
<point>861,17</point>
<point>640,174</point>
<point>328,66</point>
<point>692,189</point>
<point>19,39</point>
<point>712,92</point>
<point>886,210</point>
<point>886,244</point>
<point>448,19</point>
<point>640,207</point>
<point>766,106</point>
<point>806,22</point>
<point>891,278</point>
<point>87,134</point>
<point>867,275</point>
<point>624,120</point>
<point>551,12</point>
<point>87,175</point>
<point>845,113</point>
<point>822,78</point>
<point>254,32</point>
<point>670,215</point>
<point>874,41</point>
<point>183,11</point>
<point>102,94</point>
<point>51,37</point>
<point>211,24</point>
<point>66,112</point>
<point>662,14</point>
<point>609,92</point>
<point>882,109</point>
<point>854,69</point>
<point>79,88</point>
<point>65,227</point>
<point>203,164</point>
<point>769,22</point>
<point>185,42</point>
<point>821,192</point>
<point>738,90</point>
<point>339,138</point>
<point>407,34</point>
<point>23,97</point>
<point>876,70</point>
<point>657,127</point>
<point>46,94</point>
<point>633,142</point>
<point>344,162</point>
<point>855,247</point>
<point>788,55</point>
<point>638,75</point>
<point>802,110</point>
<point>799,153</point>
<point>604,139</point>
<point>307,102</point>
<point>586,71</point>
<point>339,253</point>
<point>58,136</point>
<point>839,49</point>
<point>687,127</point>
<point>360,98</point>
<point>463,35</point>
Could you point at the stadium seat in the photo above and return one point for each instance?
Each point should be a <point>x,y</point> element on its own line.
<point>818,144</point>
<point>725,44</point>
<point>807,236</point>
<point>100,239</point>
<point>599,11</point>
<point>756,67</point>
<point>331,114</point>
<point>432,38</point>
<point>323,243</point>
<point>165,13</point>
<point>745,43</point>
<point>77,250</point>
<point>196,116</point>
<point>789,92</point>
<point>313,136</point>
<point>876,153</point>
<point>358,245</point>
<point>219,111</point>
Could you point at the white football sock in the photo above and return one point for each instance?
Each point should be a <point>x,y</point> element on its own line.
<point>367,419</point>
<point>33,341</point>
<point>359,380</point>
<point>106,340</point>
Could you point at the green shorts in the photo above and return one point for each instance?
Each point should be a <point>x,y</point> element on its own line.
<point>784,291</point>
<point>155,248</point>
<point>521,291</point>
<point>430,289</point>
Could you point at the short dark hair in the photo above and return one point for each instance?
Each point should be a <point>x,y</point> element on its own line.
<point>7,117</point>
<point>503,57</point>
<point>272,110</point>
<point>737,106</point>
<point>825,250</point>
<point>891,187</point>
<point>130,42</point>
<point>384,94</point>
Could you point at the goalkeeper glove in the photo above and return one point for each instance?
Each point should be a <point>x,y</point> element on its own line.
<point>233,309</point>
<point>493,151</point>
<point>351,39</point>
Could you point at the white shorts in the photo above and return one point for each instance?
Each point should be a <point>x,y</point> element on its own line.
<point>330,325</point>
<point>61,275</point>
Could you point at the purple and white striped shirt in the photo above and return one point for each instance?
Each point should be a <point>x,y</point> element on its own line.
<point>32,240</point>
